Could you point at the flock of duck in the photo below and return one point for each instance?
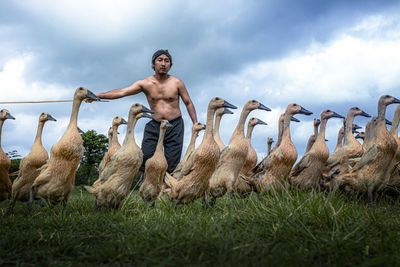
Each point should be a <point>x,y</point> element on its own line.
<point>212,169</point>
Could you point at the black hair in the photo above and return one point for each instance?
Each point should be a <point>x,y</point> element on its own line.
<point>159,53</point>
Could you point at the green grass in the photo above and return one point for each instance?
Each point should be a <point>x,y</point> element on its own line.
<point>288,228</point>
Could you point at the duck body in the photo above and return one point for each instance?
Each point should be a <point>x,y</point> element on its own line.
<point>57,176</point>
<point>30,165</point>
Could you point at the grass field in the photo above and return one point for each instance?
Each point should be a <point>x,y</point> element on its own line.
<point>289,228</point>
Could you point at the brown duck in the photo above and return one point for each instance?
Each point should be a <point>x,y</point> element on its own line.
<point>29,167</point>
<point>5,162</point>
<point>307,173</point>
<point>57,176</point>
<point>198,169</point>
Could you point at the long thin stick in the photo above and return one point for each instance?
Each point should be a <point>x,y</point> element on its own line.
<point>38,102</point>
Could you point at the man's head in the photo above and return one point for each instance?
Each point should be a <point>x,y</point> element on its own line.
<point>162,59</point>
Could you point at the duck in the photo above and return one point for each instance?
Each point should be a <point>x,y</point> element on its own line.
<point>341,158</point>
<point>114,145</point>
<point>155,169</point>
<point>279,163</point>
<point>369,174</point>
<point>339,140</point>
<point>242,187</point>
<point>198,169</point>
<point>251,159</point>
<point>218,116</point>
<point>29,167</point>
<point>232,157</point>
<point>311,139</point>
<point>5,162</point>
<point>394,169</point>
<point>117,177</point>
<point>261,165</point>
<point>196,129</point>
<point>57,176</point>
<point>307,173</point>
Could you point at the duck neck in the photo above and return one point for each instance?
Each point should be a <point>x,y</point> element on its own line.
<point>217,123</point>
<point>315,130</point>
<point>348,131</point>
<point>114,136</point>
<point>395,123</point>
<point>209,123</point>
<point>322,128</point>
<point>130,134</point>
<point>239,130</point>
<point>39,131</point>
<point>73,121</point>
<point>1,129</point>
<point>160,143</point>
<point>339,140</point>
<point>193,138</point>
<point>381,111</point>
<point>280,132</point>
<point>286,126</point>
<point>249,133</point>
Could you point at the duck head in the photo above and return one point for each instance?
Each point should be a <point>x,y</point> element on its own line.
<point>327,114</point>
<point>6,115</point>
<point>83,93</point>
<point>118,120</point>
<point>46,117</point>
<point>297,109</point>
<point>356,111</point>
<point>218,102</point>
<point>255,121</point>
<point>254,104</point>
<point>198,126</point>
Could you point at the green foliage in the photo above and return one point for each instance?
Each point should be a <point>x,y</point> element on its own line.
<point>96,146</point>
<point>276,229</point>
<point>14,165</point>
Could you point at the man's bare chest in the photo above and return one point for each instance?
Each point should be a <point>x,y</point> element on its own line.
<point>167,92</point>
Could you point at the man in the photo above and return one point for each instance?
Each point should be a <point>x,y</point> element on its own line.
<point>162,91</point>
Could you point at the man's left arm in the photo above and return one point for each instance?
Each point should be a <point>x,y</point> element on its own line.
<point>188,102</point>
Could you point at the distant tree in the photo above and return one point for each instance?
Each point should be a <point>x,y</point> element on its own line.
<point>95,146</point>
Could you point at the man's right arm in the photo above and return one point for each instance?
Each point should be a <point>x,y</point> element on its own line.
<point>132,89</point>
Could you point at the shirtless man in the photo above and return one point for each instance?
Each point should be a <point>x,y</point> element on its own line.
<point>162,91</point>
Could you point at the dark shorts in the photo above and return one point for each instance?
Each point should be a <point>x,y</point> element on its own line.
<point>173,142</point>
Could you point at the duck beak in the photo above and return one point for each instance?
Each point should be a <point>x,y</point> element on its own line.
<point>51,118</point>
<point>90,95</point>
<point>262,107</point>
<point>204,127</point>
<point>227,111</point>
<point>396,101</point>
<point>9,116</point>
<point>169,124</point>
<point>146,115</point>
<point>80,131</point>
<point>229,105</point>
<point>388,122</point>
<point>123,121</point>
<point>294,119</point>
<point>356,126</point>
<point>261,122</point>
<point>147,110</point>
<point>335,115</point>
<point>305,111</point>
<point>326,140</point>
<point>358,136</point>
<point>365,114</point>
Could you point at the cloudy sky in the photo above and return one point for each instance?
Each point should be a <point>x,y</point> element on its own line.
<point>319,54</point>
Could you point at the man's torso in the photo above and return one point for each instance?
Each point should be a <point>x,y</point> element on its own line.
<point>163,97</point>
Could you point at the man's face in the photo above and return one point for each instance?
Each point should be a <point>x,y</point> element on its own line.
<point>162,64</point>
